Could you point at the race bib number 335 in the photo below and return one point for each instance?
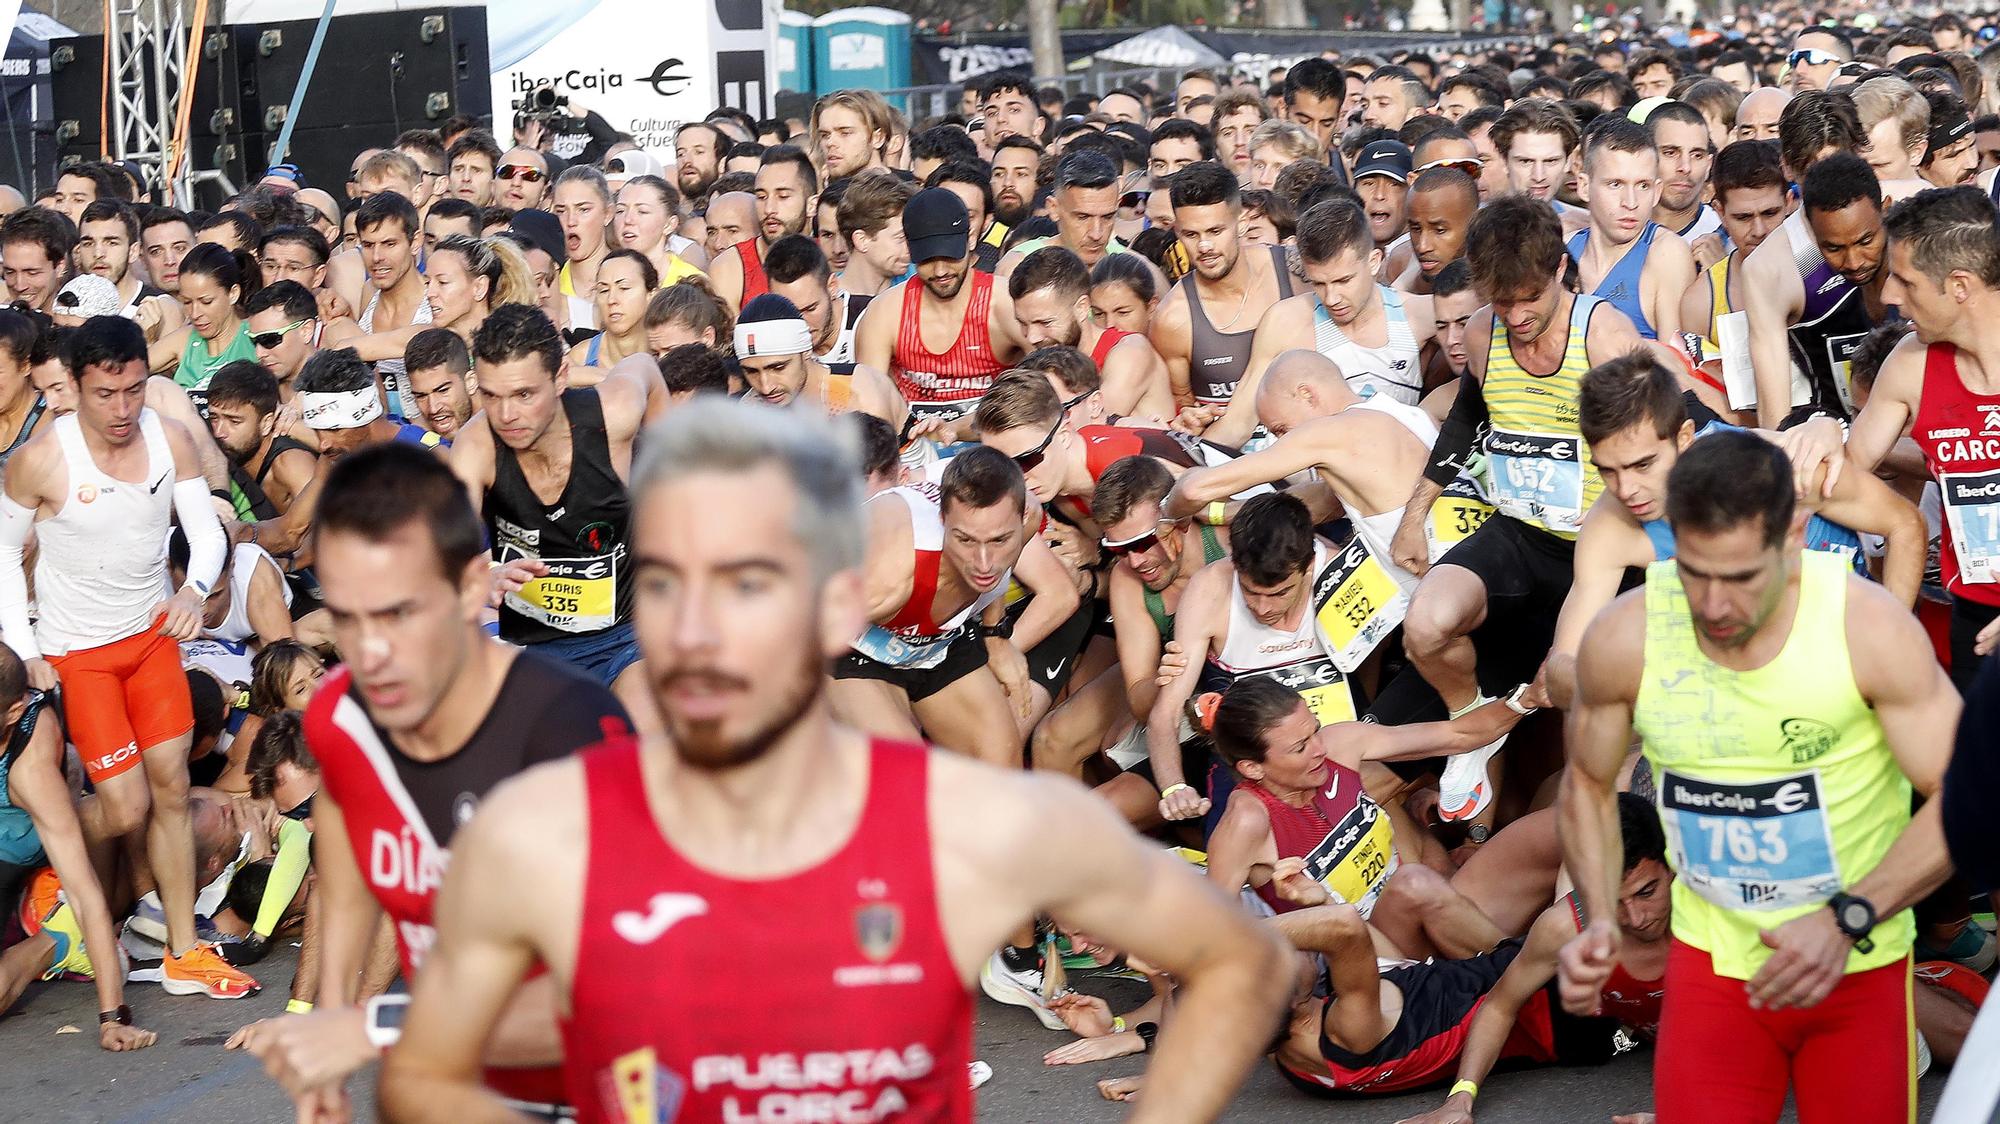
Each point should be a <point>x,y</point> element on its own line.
<point>1759,846</point>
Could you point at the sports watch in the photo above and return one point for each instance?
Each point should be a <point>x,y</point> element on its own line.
<point>1856,918</point>
<point>382,1019</point>
<point>1002,631</point>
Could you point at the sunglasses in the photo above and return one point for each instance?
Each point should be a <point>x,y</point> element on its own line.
<point>1134,198</point>
<point>270,340</point>
<point>1028,461</point>
<point>1811,55</point>
<point>68,299</point>
<point>1470,165</point>
<point>301,811</point>
<point>521,172</point>
<point>1137,544</point>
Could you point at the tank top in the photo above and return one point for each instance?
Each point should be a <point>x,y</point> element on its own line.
<point>1156,601</point>
<point>19,845</point>
<point>1111,338</point>
<point>226,648</point>
<point>199,361</point>
<point>950,383</point>
<point>1959,432</point>
<point>756,282</point>
<point>1217,359</point>
<point>1831,327</point>
<point>1775,785</point>
<point>1541,467</point>
<point>855,1013</point>
<point>1391,369</point>
<point>914,638</point>
<point>1379,530</point>
<point>1296,657</point>
<point>1718,295</point>
<point>581,537</point>
<point>1634,1002</point>
<point>1704,223</point>
<point>35,412</point>
<point>1620,284</point>
<point>1821,533</point>
<point>393,372</point>
<point>1342,834</point>
<point>103,558</point>
<point>840,357</point>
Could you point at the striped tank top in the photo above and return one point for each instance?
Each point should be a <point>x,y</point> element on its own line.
<point>1541,468</point>
<point>948,383</point>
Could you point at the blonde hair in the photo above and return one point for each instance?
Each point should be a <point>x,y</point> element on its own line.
<point>869,105</point>
<point>500,261</point>
<point>1879,99</point>
<point>1295,141</point>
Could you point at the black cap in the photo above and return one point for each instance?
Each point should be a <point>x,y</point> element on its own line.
<point>936,225</point>
<point>1384,158</point>
<point>543,230</point>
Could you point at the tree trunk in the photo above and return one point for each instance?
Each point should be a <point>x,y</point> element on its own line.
<point>1045,39</point>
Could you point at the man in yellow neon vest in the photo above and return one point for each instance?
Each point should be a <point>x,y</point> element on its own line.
<point>1786,710</point>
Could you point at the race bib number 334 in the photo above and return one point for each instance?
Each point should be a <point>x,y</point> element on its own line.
<point>1759,846</point>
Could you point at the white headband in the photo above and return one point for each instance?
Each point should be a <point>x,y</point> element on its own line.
<point>346,409</point>
<point>772,337</point>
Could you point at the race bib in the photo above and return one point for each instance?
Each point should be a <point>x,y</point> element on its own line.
<point>1356,602</point>
<point>885,647</point>
<point>1318,682</point>
<point>1538,477</point>
<point>1357,857</point>
<point>1762,846</point>
<point>1840,360</point>
<point>577,595</point>
<point>1454,516</point>
<point>1972,511</point>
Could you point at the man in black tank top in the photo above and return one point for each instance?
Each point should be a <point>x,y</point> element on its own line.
<point>267,470</point>
<point>547,470</point>
<point>1206,325</point>
<point>798,271</point>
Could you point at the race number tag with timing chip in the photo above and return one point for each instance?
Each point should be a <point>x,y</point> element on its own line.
<point>577,594</point>
<point>1356,602</point>
<point>1318,682</point>
<point>1457,512</point>
<point>1538,477</point>
<point>1357,857</point>
<point>1760,846</point>
<point>1972,511</point>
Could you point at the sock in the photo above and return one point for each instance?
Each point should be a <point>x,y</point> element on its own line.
<point>1019,959</point>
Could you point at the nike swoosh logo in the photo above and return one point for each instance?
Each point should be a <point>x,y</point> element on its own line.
<point>663,912</point>
<point>155,489</point>
<point>1057,669</point>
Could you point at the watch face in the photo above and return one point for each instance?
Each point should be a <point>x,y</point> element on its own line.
<point>1853,916</point>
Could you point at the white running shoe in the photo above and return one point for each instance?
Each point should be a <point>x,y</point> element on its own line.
<point>1464,789</point>
<point>1017,988</point>
<point>1923,1055</point>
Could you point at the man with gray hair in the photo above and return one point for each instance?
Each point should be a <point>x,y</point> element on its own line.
<point>644,856</point>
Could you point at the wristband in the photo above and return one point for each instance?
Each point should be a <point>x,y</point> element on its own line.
<point>223,495</point>
<point>1173,788</point>
<point>1118,1024</point>
<point>1218,513</point>
<point>1469,1088</point>
<point>382,1020</point>
<point>122,1016</point>
<point>297,1006</point>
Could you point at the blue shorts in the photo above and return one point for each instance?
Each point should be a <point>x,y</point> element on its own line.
<point>602,654</point>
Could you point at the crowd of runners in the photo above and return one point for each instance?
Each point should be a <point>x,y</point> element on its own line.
<point>1436,563</point>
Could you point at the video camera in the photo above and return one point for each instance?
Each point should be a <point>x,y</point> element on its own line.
<point>543,104</point>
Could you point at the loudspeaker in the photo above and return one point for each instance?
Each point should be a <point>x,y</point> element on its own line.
<point>76,81</point>
<point>403,69</point>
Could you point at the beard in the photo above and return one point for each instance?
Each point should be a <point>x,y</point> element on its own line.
<point>1011,215</point>
<point>703,745</point>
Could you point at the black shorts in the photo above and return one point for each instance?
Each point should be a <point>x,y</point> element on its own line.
<point>1527,573</point>
<point>1967,618</point>
<point>1053,661</point>
<point>965,655</point>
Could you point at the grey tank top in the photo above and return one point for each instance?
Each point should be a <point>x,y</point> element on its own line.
<point>1216,360</point>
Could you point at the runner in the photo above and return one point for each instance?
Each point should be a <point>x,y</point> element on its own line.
<point>1050,291</point>
<point>1625,257</point>
<point>1205,353</point>
<point>1749,667</point>
<point>268,471</point>
<point>34,256</point>
<point>1638,422</point>
<point>386,228</point>
<point>774,349</point>
<point>1514,570</point>
<point>108,633</point>
<point>214,283</point>
<point>106,236</point>
<point>871,221</point>
<point>1084,203</point>
<point>547,473</point>
<point>1315,93</point>
<point>1454,303</point>
<point>1442,203</point>
<point>915,887</point>
<point>1382,172</point>
<point>439,368</point>
<point>786,183</point>
<point>284,326</point>
<point>1537,140</point>
<point>429,715</point>
<point>850,129</point>
<point>799,272</point>
<point>21,408</point>
<point>1750,198</point>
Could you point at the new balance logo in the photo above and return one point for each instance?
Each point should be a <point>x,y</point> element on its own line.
<point>662,913</point>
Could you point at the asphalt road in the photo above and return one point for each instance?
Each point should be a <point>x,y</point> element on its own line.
<point>49,1076</point>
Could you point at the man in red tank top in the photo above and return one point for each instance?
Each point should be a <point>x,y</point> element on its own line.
<point>1051,294</point>
<point>943,334</point>
<point>786,184</point>
<point>1941,386</point>
<point>427,715</point>
<point>895,870</point>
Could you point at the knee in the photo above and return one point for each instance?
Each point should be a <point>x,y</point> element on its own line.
<point>1416,890</point>
<point>1429,625</point>
<point>125,808</point>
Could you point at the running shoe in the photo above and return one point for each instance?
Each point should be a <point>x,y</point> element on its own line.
<point>1464,789</point>
<point>1974,947</point>
<point>39,899</point>
<point>142,957</point>
<point>149,920</point>
<point>70,957</point>
<point>202,971</point>
<point>1017,987</point>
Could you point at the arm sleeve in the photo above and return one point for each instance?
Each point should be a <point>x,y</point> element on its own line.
<point>288,871</point>
<point>1972,780</point>
<point>1458,433</point>
<point>15,523</point>
<point>207,545</point>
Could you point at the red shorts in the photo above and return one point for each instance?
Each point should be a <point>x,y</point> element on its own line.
<point>1851,1058</point>
<point>122,699</point>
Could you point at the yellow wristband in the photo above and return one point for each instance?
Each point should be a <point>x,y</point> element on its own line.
<point>297,1006</point>
<point>1469,1088</point>
<point>1118,1024</point>
<point>1218,513</point>
<point>1173,788</point>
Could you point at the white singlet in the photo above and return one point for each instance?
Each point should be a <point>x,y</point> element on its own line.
<point>103,558</point>
<point>1253,645</point>
<point>395,386</point>
<point>1391,369</point>
<point>1379,530</point>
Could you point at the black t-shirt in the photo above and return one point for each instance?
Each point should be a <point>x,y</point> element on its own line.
<point>545,710</point>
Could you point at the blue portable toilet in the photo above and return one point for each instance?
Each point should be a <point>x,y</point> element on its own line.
<point>861,48</point>
<point>795,52</point>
